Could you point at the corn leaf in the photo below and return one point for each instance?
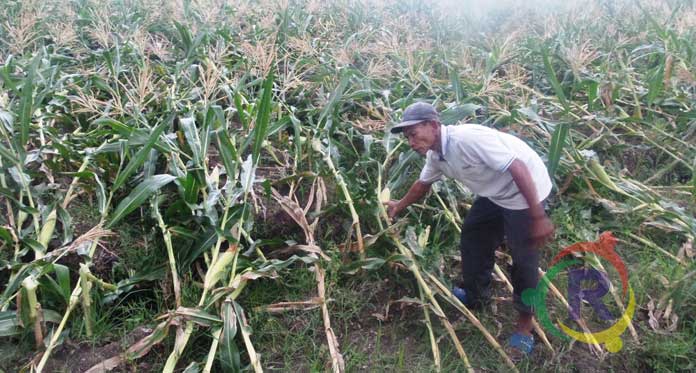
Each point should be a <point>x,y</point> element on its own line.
<point>334,100</point>
<point>61,284</point>
<point>228,351</point>
<point>26,106</point>
<point>198,316</point>
<point>558,140</point>
<point>7,154</point>
<point>136,198</point>
<point>246,336</point>
<point>263,117</point>
<point>140,157</point>
<point>119,127</point>
<point>227,151</point>
<point>193,140</point>
<point>551,76</point>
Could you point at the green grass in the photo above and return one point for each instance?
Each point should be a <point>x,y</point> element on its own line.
<point>295,340</point>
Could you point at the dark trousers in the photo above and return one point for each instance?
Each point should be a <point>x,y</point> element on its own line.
<point>483,231</point>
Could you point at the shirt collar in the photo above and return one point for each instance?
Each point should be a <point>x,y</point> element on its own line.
<point>444,140</point>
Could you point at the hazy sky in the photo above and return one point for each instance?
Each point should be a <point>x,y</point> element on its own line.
<point>479,7</point>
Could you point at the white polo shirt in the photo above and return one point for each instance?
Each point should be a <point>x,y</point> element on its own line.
<point>479,157</point>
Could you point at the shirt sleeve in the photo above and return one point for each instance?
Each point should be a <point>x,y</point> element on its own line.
<point>490,149</point>
<point>430,172</point>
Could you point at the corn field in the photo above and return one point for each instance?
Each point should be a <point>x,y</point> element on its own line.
<point>244,142</point>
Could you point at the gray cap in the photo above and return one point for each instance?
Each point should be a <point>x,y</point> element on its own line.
<point>414,114</point>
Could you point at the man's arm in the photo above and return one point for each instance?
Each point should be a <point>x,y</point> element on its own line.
<point>523,179</point>
<point>417,191</point>
<point>541,226</point>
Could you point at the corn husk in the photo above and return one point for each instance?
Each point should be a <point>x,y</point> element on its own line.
<point>47,231</point>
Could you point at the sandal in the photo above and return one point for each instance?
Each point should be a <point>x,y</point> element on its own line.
<point>462,295</point>
<point>521,343</point>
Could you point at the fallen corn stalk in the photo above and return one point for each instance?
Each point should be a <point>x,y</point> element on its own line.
<point>437,310</point>
<point>337,362</point>
<point>298,214</point>
<point>316,144</point>
<point>281,307</point>
<point>413,267</point>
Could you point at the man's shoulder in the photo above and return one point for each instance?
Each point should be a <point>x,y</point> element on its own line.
<point>468,128</point>
<point>430,156</point>
<point>467,133</point>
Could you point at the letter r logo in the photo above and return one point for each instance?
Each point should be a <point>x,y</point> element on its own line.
<point>593,295</point>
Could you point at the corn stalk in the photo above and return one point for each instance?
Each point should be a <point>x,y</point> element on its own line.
<point>316,145</point>
<point>423,286</point>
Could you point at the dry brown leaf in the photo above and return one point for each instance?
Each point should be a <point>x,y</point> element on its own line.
<point>663,280</point>
<point>402,303</point>
<point>688,248</point>
<point>296,213</point>
<point>279,307</point>
<point>137,350</point>
<point>354,247</point>
<point>674,322</point>
<point>310,198</point>
<point>652,321</point>
<point>501,255</point>
<point>498,327</point>
<point>668,310</point>
<point>655,314</point>
<point>381,317</point>
<point>312,249</point>
<point>321,197</point>
<point>106,365</point>
<point>337,361</point>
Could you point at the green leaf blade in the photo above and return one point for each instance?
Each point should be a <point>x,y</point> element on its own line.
<point>140,156</point>
<point>136,198</point>
<point>228,352</point>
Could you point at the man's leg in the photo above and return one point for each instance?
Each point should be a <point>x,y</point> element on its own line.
<point>525,263</point>
<point>482,232</point>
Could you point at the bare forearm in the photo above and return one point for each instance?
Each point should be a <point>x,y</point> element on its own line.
<point>541,228</point>
<point>417,191</point>
<point>523,179</point>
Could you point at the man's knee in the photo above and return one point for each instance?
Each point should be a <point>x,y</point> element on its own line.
<point>525,274</point>
<point>468,243</point>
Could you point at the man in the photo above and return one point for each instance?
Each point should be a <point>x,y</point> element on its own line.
<point>511,183</point>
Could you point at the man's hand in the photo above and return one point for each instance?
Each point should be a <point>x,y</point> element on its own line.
<point>541,230</point>
<point>415,193</point>
<point>393,208</point>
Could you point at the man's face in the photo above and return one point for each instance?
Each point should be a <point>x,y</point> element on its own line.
<point>421,137</point>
